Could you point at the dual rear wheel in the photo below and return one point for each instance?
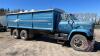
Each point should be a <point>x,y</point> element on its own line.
<point>23,34</point>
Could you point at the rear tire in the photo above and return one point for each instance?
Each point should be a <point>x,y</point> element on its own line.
<point>15,34</point>
<point>24,35</point>
<point>80,43</point>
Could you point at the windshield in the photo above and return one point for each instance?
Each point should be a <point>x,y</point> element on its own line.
<point>68,17</point>
<point>72,17</point>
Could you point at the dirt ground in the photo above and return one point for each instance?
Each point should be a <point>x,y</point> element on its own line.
<point>41,47</point>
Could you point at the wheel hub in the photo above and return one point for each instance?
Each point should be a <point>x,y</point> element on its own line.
<point>15,34</point>
<point>78,43</point>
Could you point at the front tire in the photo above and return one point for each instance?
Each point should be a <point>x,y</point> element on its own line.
<point>80,43</point>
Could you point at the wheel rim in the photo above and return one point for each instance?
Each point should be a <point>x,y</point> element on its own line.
<point>77,43</point>
<point>23,35</point>
<point>15,34</point>
<point>80,43</point>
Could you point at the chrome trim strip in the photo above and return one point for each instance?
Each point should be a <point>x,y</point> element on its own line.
<point>17,20</point>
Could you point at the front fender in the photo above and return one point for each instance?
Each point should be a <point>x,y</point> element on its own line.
<point>86,31</point>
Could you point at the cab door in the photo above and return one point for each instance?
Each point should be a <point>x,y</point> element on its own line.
<point>65,26</point>
<point>67,22</point>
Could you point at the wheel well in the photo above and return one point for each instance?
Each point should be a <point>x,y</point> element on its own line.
<point>82,33</point>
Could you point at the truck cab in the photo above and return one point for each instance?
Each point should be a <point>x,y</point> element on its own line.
<point>79,31</point>
<point>69,24</point>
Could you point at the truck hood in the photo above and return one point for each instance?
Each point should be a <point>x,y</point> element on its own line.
<point>84,24</point>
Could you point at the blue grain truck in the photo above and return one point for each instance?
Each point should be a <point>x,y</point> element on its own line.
<point>54,23</point>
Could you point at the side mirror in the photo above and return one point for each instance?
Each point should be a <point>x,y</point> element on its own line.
<point>71,21</point>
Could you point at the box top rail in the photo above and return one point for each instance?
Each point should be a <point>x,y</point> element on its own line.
<point>56,9</point>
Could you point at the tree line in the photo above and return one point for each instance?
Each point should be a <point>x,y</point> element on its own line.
<point>5,11</point>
